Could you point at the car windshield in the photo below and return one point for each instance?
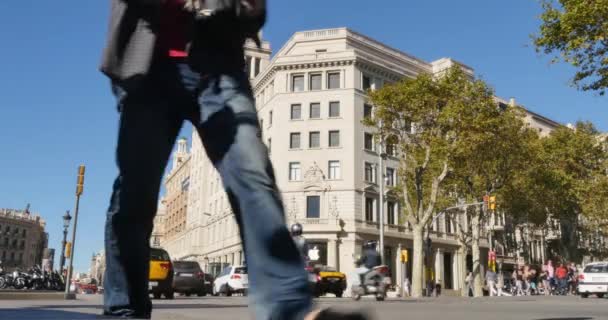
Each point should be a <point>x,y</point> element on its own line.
<point>158,254</point>
<point>241,270</point>
<point>598,268</point>
<point>191,265</point>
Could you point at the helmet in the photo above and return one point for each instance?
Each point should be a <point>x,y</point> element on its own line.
<point>370,244</point>
<point>296,229</point>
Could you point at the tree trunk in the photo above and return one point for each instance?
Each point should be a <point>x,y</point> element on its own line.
<point>463,251</point>
<point>417,261</point>
<point>477,281</point>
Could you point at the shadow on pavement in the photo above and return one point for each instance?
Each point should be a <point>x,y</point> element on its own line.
<point>45,314</point>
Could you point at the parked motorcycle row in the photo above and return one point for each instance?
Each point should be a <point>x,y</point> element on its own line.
<point>34,279</point>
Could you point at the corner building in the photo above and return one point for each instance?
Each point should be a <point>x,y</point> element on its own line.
<point>311,99</point>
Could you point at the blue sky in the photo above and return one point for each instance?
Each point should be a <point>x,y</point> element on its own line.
<point>57,111</point>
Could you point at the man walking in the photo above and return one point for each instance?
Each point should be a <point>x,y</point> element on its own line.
<point>159,84</point>
<point>491,282</point>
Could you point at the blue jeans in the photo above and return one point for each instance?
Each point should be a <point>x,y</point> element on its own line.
<point>222,110</point>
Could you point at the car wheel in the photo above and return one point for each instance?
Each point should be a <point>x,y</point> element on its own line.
<point>379,297</point>
<point>339,294</point>
<point>156,295</point>
<point>227,291</point>
<point>169,295</point>
<point>600,295</point>
<point>584,295</point>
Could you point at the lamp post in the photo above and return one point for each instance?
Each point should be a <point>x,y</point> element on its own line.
<point>66,224</point>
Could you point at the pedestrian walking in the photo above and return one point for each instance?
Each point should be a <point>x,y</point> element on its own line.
<point>491,282</point>
<point>500,283</point>
<point>171,61</point>
<point>469,283</point>
<point>406,287</point>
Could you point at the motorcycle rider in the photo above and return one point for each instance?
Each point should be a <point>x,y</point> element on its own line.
<point>369,260</point>
<point>300,241</point>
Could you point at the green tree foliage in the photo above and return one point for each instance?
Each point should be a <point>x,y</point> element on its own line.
<point>576,31</point>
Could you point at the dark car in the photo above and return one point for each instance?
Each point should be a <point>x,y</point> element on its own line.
<point>188,278</point>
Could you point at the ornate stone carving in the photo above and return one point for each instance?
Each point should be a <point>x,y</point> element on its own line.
<point>333,208</point>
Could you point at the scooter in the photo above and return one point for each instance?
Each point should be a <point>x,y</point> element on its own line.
<point>376,286</point>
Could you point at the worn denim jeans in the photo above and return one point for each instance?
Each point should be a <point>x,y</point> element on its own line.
<point>222,110</point>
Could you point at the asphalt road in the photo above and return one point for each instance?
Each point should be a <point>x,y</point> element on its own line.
<point>207,308</point>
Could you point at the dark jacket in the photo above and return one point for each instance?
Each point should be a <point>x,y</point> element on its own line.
<point>371,258</point>
<point>131,39</point>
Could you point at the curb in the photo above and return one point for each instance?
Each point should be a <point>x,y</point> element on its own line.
<point>29,295</point>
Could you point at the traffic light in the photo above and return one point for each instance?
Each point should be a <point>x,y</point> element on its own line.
<point>80,181</point>
<point>492,260</point>
<point>68,249</point>
<point>492,203</point>
<point>486,202</point>
<point>404,255</point>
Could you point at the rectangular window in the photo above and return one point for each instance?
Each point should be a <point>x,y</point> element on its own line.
<point>256,68</point>
<point>391,212</point>
<point>313,207</point>
<point>367,82</point>
<point>368,142</point>
<point>334,170</point>
<point>333,80</point>
<point>367,111</point>
<point>334,138</point>
<point>270,118</point>
<point>294,140</point>
<point>297,83</point>
<point>369,172</point>
<point>314,139</point>
<point>390,149</point>
<point>294,171</point>
<point>334,109</point>
<point>315,82</point>
<point>296,111</point>
<point>390,177</point>
<point>248,66</point>
<point>369,209</point>
<point>315,110</point>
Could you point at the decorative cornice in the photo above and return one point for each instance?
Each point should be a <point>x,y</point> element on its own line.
<point>300,66</point>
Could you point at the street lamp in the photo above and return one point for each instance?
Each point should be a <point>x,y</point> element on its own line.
<point>66,224</point>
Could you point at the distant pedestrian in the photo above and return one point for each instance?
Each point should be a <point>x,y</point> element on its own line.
<point>491,282</point>
<point>500,283</point>
<point>406,287</point>
<point>469,284</point>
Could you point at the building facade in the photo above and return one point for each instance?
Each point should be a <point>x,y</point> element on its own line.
<point>98,267</point>
<point>22,239</point>
<point>311,99</point>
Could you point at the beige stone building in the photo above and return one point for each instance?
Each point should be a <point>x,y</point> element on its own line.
<point>311,98</point>
<point>98,267</point>
<point>22,239</point>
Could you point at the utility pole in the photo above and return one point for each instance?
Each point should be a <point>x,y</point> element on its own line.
<point>66,225</point>
<point>79,190</point>
<point>381,156</point>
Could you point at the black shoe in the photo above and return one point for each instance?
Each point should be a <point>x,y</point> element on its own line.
<point>332,314</point>
<point>125,313</point>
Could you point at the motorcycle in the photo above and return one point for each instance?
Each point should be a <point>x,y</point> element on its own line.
<point>20,280</point>
<point>3,284</point>
<point>36,279</point>
<point>376,286</point>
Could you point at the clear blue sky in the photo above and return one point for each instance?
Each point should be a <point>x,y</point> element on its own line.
<point>57,110</point>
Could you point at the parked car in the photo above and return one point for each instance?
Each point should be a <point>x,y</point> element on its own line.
<point>328,280</point>
<point>233,279</point>
<point>161,274</point>
<point>593,280</point>
<point>188,278</point>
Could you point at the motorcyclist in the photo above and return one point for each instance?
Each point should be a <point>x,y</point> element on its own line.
<point>370,259</point>
<point>300,241</point>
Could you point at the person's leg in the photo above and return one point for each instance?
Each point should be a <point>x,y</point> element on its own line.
<point>147,131</point>
<point>230,132</point>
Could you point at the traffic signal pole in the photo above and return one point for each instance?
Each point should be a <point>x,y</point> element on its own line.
<point>79,189</point>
